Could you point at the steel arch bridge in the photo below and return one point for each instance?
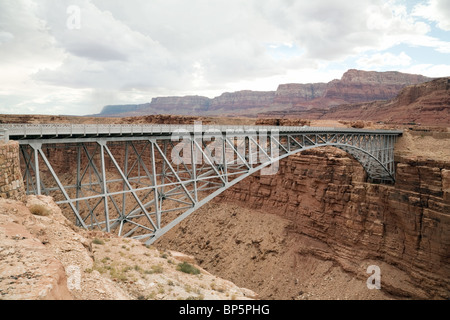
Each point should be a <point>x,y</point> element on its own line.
<point>141,180</point>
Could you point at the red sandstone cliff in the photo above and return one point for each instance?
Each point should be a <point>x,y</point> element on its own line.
<point>427,103</point>
<point>329,219</point>
<point>354,86</point>
<point>249,102</point>
<point>295,93</point>
<point>358,86</point>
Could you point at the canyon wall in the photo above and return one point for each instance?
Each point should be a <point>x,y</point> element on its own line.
<point>241,101</point>
<point>326,199</point>
<point>331,217</point>
<point>357,85</point>
<point>427,104</point>
<point>294,93</point>
<point>354,86</point>
<point>176,105</point>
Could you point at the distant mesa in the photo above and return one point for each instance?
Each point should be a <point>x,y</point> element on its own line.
<point>426,104</point>
<point>355,86</point>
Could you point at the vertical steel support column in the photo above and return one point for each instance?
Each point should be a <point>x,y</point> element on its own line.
<point>36,165</point>
<point>125,170</point>
<point>78,183</point>
<point>194,167</point>
<point>225,160</point>
<point>163,171</point>
<point>370,150</point>
<point>388,154</point>
<point>105,191</point>
<point>391,154</point>
<point>251,158</point>
<point>155,189</point>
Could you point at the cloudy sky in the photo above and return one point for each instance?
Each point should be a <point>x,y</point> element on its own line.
<point>75,56</point>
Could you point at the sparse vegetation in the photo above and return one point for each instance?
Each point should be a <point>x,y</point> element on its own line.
<point>152,295</point>
<point>117,274</point>
<point>98,241</point>
<point>126,269</point>
<point>105,259</point>
<point>161,290</point>
<point>157,269</point>
<point>99,268</point>
<point>217,288</point>
<point>187,268</point>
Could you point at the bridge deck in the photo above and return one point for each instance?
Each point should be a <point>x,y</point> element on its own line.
<point>111,131</point>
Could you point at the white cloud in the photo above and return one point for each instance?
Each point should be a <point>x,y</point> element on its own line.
<point>332,30</point>
<point>429,70</point>
<point>129,52</point>
<point>5,37</point>
<point>435,10</point>
<point>378,60</point>
<point>428,41</point>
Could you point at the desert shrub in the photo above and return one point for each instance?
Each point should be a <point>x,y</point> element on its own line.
<point>187,268</point>
<point>98,241</point>
<point>155,269</point>
<point>117,274</point>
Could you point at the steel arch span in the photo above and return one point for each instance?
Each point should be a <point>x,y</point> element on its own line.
<point>141,181</point>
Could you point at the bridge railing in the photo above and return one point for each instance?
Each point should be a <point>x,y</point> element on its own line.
<point>135,129</point>
<point>92,129</point>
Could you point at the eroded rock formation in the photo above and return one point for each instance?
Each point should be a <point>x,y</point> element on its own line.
<point>354,86</point>
<point>328,215</point>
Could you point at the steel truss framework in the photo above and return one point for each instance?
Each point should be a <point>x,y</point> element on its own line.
<point>142,185</point>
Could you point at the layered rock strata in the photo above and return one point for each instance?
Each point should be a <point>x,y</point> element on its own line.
<point>426,104</point>
<point>354,86</point>
<point>11,183</point>
<point>331,217</point>
<point>325,198</point>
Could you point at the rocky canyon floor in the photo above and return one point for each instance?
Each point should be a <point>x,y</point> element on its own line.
<point>44,256</point>
<point>257,249</point>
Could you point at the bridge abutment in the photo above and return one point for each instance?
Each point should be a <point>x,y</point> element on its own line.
<point>11,182</point>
